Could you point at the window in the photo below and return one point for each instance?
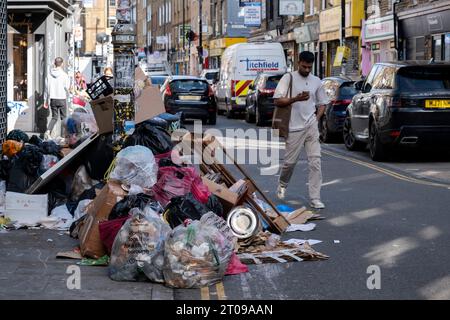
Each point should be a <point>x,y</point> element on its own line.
<point>415,48</point>
<point>437,48</point>
<point>144,3</point>
<point>447,47</point>
<point>385,78</point>
<point>160,16</point>
<point>144,27</point>
<point>149,13</point>
<point>112,3</point>
<point>368,84</point>
<point>112,22</point>
<point>311,7</point>
<point>424,78</point>
<point>272,82</point>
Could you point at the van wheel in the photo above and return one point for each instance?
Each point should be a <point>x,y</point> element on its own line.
<point>229,114</point>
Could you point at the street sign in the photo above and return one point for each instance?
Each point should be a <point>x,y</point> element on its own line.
<point>78,33</point>
<point>252,14</point>
<point>291,7</point>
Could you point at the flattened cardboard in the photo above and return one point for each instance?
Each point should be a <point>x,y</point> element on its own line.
<point>58,167</point>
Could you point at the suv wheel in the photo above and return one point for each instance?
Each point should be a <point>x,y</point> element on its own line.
<point>349,137</point>
<point>376,148</point>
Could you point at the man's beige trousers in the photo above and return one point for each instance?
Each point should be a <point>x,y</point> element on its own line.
<point>308,138</point>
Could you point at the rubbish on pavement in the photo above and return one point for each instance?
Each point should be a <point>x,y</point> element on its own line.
<point>184,207</point>
<point>123,207</point>
<point>109,230</point>
<point>81,182</point>
<point>135,165</point>
<point>235,266</point>
<point>176,181</point>
<point>81,209</point>
<point>48,161</point>
<point>243,222</point>
<point>139,248</point>
<point>17,135</point>
<point>196,255</point>
<point>26,210</point>
<point>49,240</point>
<point>301,227</point>
<point>99,210</point>
<point>11,147</point>
<point>60,219</point>
<point>273,241</point>
<point>284,208</point>
<point>300,241</point>
<point>154,138</point>
<point>98,156</point>
<point>54,171</point>
<point>337,241</point>
<point>74,254</point>
<point>102,261</point>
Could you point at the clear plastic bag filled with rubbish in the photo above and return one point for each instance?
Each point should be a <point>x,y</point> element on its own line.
<point>138,250</point>
<point>198,255</point>
<point>136,165</point>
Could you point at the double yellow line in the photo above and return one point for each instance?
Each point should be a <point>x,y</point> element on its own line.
<point>220,291</point>
<point>386,171</point>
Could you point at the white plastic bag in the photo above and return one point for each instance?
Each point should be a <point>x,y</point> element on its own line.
<point>136,166</point>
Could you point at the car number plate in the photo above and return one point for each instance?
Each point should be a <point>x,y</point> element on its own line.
<point>437,104</point>
<point>190,98</point>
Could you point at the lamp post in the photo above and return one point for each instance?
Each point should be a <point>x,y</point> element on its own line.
<point>200,37</point>
<point>344,63</point>
<point>124,41</point>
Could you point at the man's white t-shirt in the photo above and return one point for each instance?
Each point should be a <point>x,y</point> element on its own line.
<point>303,112</point>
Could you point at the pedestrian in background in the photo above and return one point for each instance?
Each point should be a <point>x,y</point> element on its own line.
<point>108,72</point>
<point>57,91</point>
<point>303,94</point>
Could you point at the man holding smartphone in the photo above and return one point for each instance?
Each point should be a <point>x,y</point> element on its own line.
<point>307,100</point>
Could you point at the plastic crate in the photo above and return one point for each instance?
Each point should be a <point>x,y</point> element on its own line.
<point>100,88</point>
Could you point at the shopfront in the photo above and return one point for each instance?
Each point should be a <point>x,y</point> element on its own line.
<point>35,37</point>
<point>425,33</point>
<point>290,50</point>
<point>217,47</point>
<point>330,34</point>
<point>378,41</point>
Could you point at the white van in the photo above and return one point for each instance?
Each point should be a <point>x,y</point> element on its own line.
<point>241,63</point>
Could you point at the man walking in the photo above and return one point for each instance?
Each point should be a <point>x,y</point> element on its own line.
<point>58,85</point>
<point>302,92</point>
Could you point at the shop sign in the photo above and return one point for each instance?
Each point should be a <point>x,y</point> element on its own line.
<point>342,56</point>
<point>379,29</point>
<point>330,20</point>
<point>291,7</point>
<point>252,13</point>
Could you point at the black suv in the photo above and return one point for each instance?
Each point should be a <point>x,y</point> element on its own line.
<point>404,103</point>
<point>259,103</point>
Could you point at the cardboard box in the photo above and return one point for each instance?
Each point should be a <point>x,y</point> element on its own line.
<point>26,209</point>
<point>103,113</point>
<point>98,211</point>
<point>149,104</point>
<point>223,192</point>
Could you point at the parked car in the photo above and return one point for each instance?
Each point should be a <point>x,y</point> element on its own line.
<point>240,65</point>
<point>211,75</point>
<point>340,92</point>
<point>404,103</point>
<point>259,103</point>
<point>191,95</point>
<point>158,80</point>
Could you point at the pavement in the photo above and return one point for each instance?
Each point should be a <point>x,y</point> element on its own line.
<point>382,219</point>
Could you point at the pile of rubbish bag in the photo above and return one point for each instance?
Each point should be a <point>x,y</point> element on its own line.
<point>148,211</point>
